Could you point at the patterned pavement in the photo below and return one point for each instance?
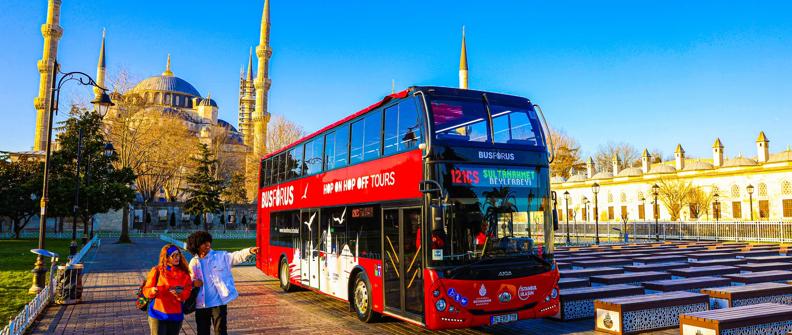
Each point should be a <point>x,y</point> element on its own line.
<point>114,271</point>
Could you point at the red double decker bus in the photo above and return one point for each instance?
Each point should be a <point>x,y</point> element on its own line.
<point>423,206</point>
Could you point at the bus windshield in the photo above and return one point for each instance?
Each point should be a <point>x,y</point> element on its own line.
<point>467,120</point>
<point>494,212</point>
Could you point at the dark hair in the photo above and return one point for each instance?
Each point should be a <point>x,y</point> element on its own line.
<point>196,239</point>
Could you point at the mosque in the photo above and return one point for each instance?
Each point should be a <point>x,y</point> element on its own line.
<point>170,94</point>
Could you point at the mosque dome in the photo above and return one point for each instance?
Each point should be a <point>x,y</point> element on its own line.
<point>630,172</point>
<point>208,102</point>
<point>739,161</point>
<point>602,175</point>
<point>662,168</point>
<point>166,84</point>
<point>784,156</point>
<point>576,178</point>
<point>697,165</point>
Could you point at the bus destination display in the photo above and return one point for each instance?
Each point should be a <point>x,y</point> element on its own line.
<point>493,176</point>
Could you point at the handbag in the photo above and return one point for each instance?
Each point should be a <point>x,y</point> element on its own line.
<point>188,306</point>
<point>142,302</point>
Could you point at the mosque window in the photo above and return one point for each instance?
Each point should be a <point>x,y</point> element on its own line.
<point>640,195</point>
<point>764,209</point>
<point>762,189</point>
<point>610,213</point>
<point>786,187</point>
<point>736,209</point>
<point>642,212</point>
<point>610,197</point>
<point>178,100</point>
<point>623,197</point>
<point>715,189</point>
<point>735,191</point>
<point>787,204</point>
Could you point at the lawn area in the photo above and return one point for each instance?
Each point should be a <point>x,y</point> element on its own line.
<point>16,261</point>
<point>232,245</point>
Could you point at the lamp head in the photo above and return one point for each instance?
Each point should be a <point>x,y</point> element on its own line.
<point>595,188</point>
<point>103,104</point>
<point>750,189</point>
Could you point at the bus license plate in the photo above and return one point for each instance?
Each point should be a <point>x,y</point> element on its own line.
<point>497,319</point>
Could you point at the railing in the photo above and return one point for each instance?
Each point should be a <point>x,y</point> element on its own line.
<point>183,245</point>
<point>216,234</point>
<point>20,323</point>
<point>741,231</point>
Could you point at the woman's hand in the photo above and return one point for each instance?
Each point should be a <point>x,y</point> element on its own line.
<point>154,291</point>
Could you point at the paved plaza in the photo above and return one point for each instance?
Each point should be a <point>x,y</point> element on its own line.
<point>114,271</point>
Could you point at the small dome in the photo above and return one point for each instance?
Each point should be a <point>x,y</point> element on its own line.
<point>208,102</point>
<point>576,178</point>
<point>166,84</point>
<point>630,172</point>
<point>697,165</point>
<point>662,168</point>
<point>227,125</point>
<point>602,175</point>
<point>557,179</point>
<point>784,156</point>
<point>739,161</point>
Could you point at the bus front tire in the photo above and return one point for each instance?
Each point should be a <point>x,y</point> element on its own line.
<point>361,299</point>
<point>283,276</point>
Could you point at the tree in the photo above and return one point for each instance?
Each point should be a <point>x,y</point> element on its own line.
<point>203,187</point>
<point>628,156</point>
<point>103,185</point>
<point>674,194</point>
<point>20,189</point>
<point>567,154</point>
<point>700,201</point>
<point>234,192</point>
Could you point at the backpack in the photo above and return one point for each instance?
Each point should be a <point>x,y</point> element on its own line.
<point>188,306</point>
<point>142,302</point>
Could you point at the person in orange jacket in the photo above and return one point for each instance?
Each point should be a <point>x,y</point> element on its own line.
<point>168,284</point>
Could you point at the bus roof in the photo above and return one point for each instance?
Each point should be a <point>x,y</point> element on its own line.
<point>386,99</point>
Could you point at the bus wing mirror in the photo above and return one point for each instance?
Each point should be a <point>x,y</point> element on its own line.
<point>438,217</point>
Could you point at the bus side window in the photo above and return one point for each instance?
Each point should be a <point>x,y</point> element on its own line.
<point>263,174</point>
<point>297,161</point>
<point>313,157</point>
<point>328,157</point>
<point>356,148</point>
<point>409,125</point>
<point>391,133</point>
<point>279,168</point>
<point>373,135</point>
<point>341,146</point>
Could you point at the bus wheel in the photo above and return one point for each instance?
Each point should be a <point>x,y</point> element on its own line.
<point>283,276</point>
<point>361,299</point>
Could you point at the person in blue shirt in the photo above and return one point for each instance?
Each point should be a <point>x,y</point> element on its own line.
<point>211,271</point>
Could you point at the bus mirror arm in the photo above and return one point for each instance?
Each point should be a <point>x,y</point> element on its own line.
<point>555,210</point>
<point>546,126</point>
<point>435,188</point>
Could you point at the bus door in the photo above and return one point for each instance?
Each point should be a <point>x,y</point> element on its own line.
<point>309,238</point>
<point>401,260</point>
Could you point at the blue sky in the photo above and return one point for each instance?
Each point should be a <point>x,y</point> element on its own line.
<point>653,74</point>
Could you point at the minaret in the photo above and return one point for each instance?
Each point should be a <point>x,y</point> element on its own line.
<point>590,168</point>
<point>100,69</point>
<point>247,102</point>
<point>646,161</point>
<point>52,32</point>
<point>679,156</point>
<point>717,153</point>
<point>615,164</point>
<point>261,117</point>
<point>463,67</point>
<point>762,148</point>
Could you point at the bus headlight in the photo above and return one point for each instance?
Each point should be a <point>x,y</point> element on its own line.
<point>554,294</point>
<point>440,305</point>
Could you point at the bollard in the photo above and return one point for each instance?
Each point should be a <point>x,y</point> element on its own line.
<point>69,287</point>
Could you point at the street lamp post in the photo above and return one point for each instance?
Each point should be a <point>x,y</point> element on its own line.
<point>656,209</point>
<point>716,198</point>
<point>586,212</point>
<point>566,215</point>
<point>642,215</point>
<point>39,268</point>
<point>595,188</point>
<point>750,200</point>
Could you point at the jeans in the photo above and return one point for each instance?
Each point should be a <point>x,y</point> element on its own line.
<point>206,318</point>
<point>160,327</point>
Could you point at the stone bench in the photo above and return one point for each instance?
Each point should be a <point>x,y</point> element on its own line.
<point>654,267</point>
<point>777,276</point>
<point>735,296</point>
<point>564,265</point>
<point>630,315</point>
<point>628,278</point>
<point>711,262</point>
<point>626,256</point>
<point>760,319</point>
<point>585,273</point>
<point>578,303</point>
<point>757,253</point>
<point>702,271</point>
<point>687,284</point>
<point>759,267</point>
<point>659,259</point>
<point>701,256</point>
<point>574,258</point>
<point>565,283</point>
<point>617,262</point>
<point>769,259</point>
